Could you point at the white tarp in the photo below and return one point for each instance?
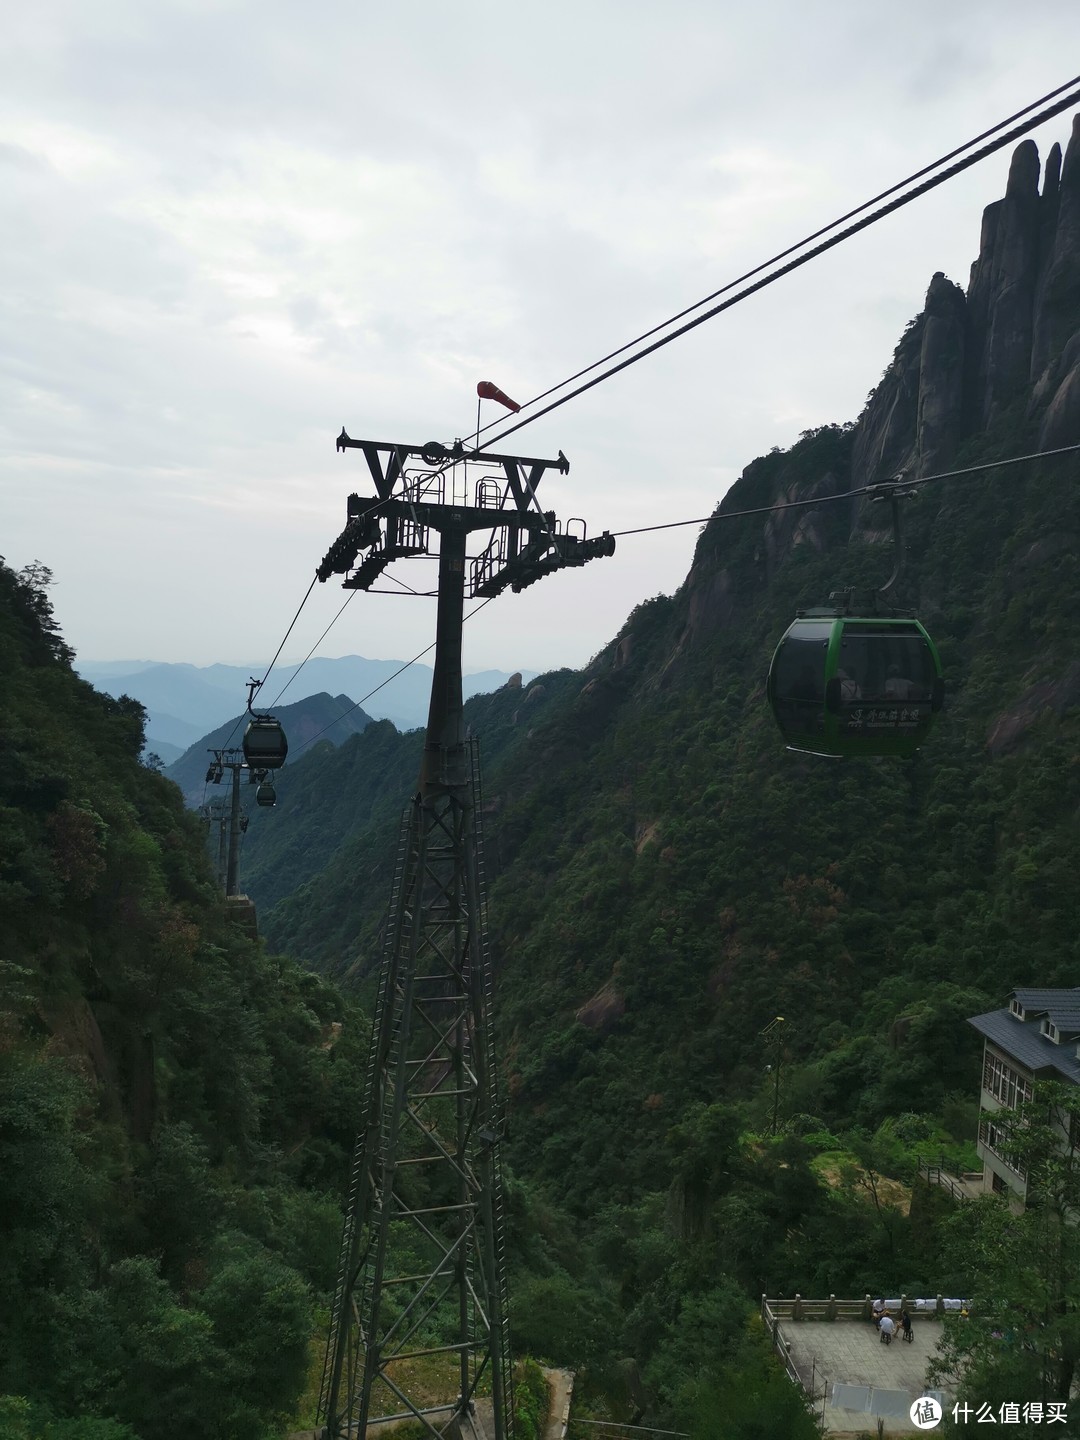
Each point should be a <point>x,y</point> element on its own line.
<point>850,1397</point>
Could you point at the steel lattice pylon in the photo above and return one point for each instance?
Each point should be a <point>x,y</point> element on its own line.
<point>423,1266</point>
<point>426,1184</point>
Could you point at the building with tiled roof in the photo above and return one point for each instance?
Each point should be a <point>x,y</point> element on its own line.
<point>1037,1037</point>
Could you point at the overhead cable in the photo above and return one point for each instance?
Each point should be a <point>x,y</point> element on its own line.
<point>791,249</point>
<point>288,632</point>
<point>273,662</point>
<point>848,494</point>
<point>999,142</point>
<point>311,652</point>
<point>939,179</point>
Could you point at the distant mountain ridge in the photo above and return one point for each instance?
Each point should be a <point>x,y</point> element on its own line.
<point>184,702</point>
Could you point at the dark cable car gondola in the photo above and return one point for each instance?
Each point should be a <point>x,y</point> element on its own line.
<point>266,794</point>
<point>265,745</point>
<point>851,679</point>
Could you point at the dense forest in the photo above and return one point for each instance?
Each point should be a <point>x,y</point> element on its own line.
<point>176,1106</point>
<point>177,1101</point>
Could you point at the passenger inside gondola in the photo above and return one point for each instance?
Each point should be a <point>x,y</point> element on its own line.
<point>879,668</point>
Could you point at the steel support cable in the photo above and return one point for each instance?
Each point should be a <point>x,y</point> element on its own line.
<point>930,184</point>
<point>791,249</point>
<point>288,632</point>
<point>800,260</point>
<point>999,143</point>
<point>273,662</point>
<point>311,652</point>
<point>849,494</point>
<point>420,594</point>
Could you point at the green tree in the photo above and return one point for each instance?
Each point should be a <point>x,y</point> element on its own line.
<point>748,1398</point>
<point>261,1317</point>
<point>180,1202</point>
<point>1022,1336</point>
<point>163,1356</point>
<point>22,1420</point>
<point>42,1192</point>
<point>560,1319</point>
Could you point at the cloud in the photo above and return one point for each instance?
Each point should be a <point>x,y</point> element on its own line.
<point>229,228</point>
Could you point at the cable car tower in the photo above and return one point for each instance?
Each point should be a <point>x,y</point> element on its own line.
<point>422,1268</point>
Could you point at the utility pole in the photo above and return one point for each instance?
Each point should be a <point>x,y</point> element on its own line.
<point>223,842</point>
<point>230,831</point>
<point>423,1266</point>
<point>213,813</point>
<point>774,1033</point>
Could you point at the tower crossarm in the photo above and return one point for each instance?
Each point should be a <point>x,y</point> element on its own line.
<point>427,490</point>
<point>388,460</point>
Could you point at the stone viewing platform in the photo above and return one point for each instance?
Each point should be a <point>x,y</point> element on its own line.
<point>832,1349</point>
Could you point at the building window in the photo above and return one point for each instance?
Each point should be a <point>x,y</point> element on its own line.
<point>1015,1008</point>
<point>997,1183</point>
<point>1007,1086</point>
<point>995,1139</point>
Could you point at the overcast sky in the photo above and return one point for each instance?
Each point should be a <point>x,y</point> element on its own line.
<point>229,229</point>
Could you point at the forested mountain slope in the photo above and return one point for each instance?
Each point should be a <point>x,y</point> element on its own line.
<point>176,1107</point>
<point>675,878</point>
<point>668,877</point>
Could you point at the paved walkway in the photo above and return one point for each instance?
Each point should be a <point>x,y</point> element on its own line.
<point>560,1389</point>
<point>862,1379</point>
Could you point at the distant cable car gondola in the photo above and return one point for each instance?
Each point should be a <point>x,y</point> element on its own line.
<point>851,679</point>
<point>266,794</point>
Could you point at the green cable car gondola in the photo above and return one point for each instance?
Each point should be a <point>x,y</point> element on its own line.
<point>858,679</point>
<point>848,684</point>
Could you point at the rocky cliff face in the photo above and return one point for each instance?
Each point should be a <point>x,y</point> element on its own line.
<point>1001,294</point>
<point>1014,336</point>
<point>916,415</point>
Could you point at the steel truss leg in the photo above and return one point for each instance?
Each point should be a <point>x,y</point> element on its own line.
<point>422,1269</point>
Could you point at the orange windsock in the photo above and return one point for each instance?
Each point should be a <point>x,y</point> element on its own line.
<point>487,391</point>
